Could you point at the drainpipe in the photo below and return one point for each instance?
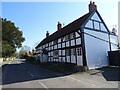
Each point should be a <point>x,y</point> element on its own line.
<point>109,41</point>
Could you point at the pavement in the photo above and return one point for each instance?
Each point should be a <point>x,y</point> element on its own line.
<point>18,74</point>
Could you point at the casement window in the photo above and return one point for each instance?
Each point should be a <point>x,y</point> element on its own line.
<point>68,52</point>
<point>73,51</point>
<point>79,51</point>
<point>55,54</point>
<point>55,41</point>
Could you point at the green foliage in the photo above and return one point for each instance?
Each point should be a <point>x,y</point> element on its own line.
<point>30,59</point>
<point>12,38</point>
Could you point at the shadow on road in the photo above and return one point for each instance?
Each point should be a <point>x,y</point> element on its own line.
<point>16,73</point>
<point>109,73</point>
<point>23,72</point>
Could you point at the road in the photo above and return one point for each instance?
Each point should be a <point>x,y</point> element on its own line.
<point>18,74</point>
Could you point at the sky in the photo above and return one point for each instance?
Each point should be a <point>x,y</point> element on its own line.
<point>35,18</point>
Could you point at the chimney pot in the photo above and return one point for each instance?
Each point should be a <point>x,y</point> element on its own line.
<point>90,2</point>
<point>92,6</point>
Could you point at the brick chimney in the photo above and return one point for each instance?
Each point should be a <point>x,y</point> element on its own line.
<point>47,34</point>
<point>59,26</point>
<point>92,6</point>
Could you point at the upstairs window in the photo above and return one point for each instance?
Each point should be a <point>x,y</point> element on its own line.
<point>55,41</point>
<point>72,35</point>
<point>67,37</point>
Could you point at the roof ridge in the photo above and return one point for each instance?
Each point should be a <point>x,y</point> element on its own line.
<point>71,27</point>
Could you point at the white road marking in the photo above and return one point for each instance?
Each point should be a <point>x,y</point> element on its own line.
<point>42,84</point>
<point>30,74</point>
<point>86,83</point>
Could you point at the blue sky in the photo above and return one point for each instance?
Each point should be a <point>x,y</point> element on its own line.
<point>35,18</point>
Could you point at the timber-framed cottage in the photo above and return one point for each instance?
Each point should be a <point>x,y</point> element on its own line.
<point>85,42</point>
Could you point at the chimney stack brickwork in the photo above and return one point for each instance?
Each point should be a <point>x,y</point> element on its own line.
<point>92,6</point>
<point>59,26</point>
<point>47,34</point>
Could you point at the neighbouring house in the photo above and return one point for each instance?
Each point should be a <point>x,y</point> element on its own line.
<point>85,42</point>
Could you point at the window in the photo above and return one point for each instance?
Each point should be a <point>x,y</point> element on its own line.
<point>79,51</point>
<point>68,52</point>
<point>73,51</point>
<point>72,35</point>
<point>67,37</point>
<point>55,54</point>
<point>96,17</point>
<point>55,41</point>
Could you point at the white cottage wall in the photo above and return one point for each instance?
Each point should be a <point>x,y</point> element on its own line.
<point>96,49</point>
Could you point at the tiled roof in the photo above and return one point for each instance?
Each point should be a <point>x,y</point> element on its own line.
<point>73,26</point>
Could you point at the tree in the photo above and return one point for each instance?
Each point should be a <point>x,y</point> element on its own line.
<point>12,38</point>
<point>24,51</point>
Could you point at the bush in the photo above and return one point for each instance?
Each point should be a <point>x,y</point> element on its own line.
<point>58,66</point>
<point>30,59</point>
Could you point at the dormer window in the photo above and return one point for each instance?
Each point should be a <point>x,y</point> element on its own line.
<point>72,35</point>
<point>67,37</point>
<point>55,41</point>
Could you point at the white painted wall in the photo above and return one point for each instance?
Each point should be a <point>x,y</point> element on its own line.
<point>72,42</point>
<point>78,41</point>
<point>63,52</point>
<point>77,35</point>
<point>96,25</point>
<point>55,46</point>
<point>59,40</point>
<point>89,24</point>
<point>96,17</point>
<point>96,50</point>
<point>63,44</point>
<point>59,51</point>
<point>103,27</point>
<point>67,44</point>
